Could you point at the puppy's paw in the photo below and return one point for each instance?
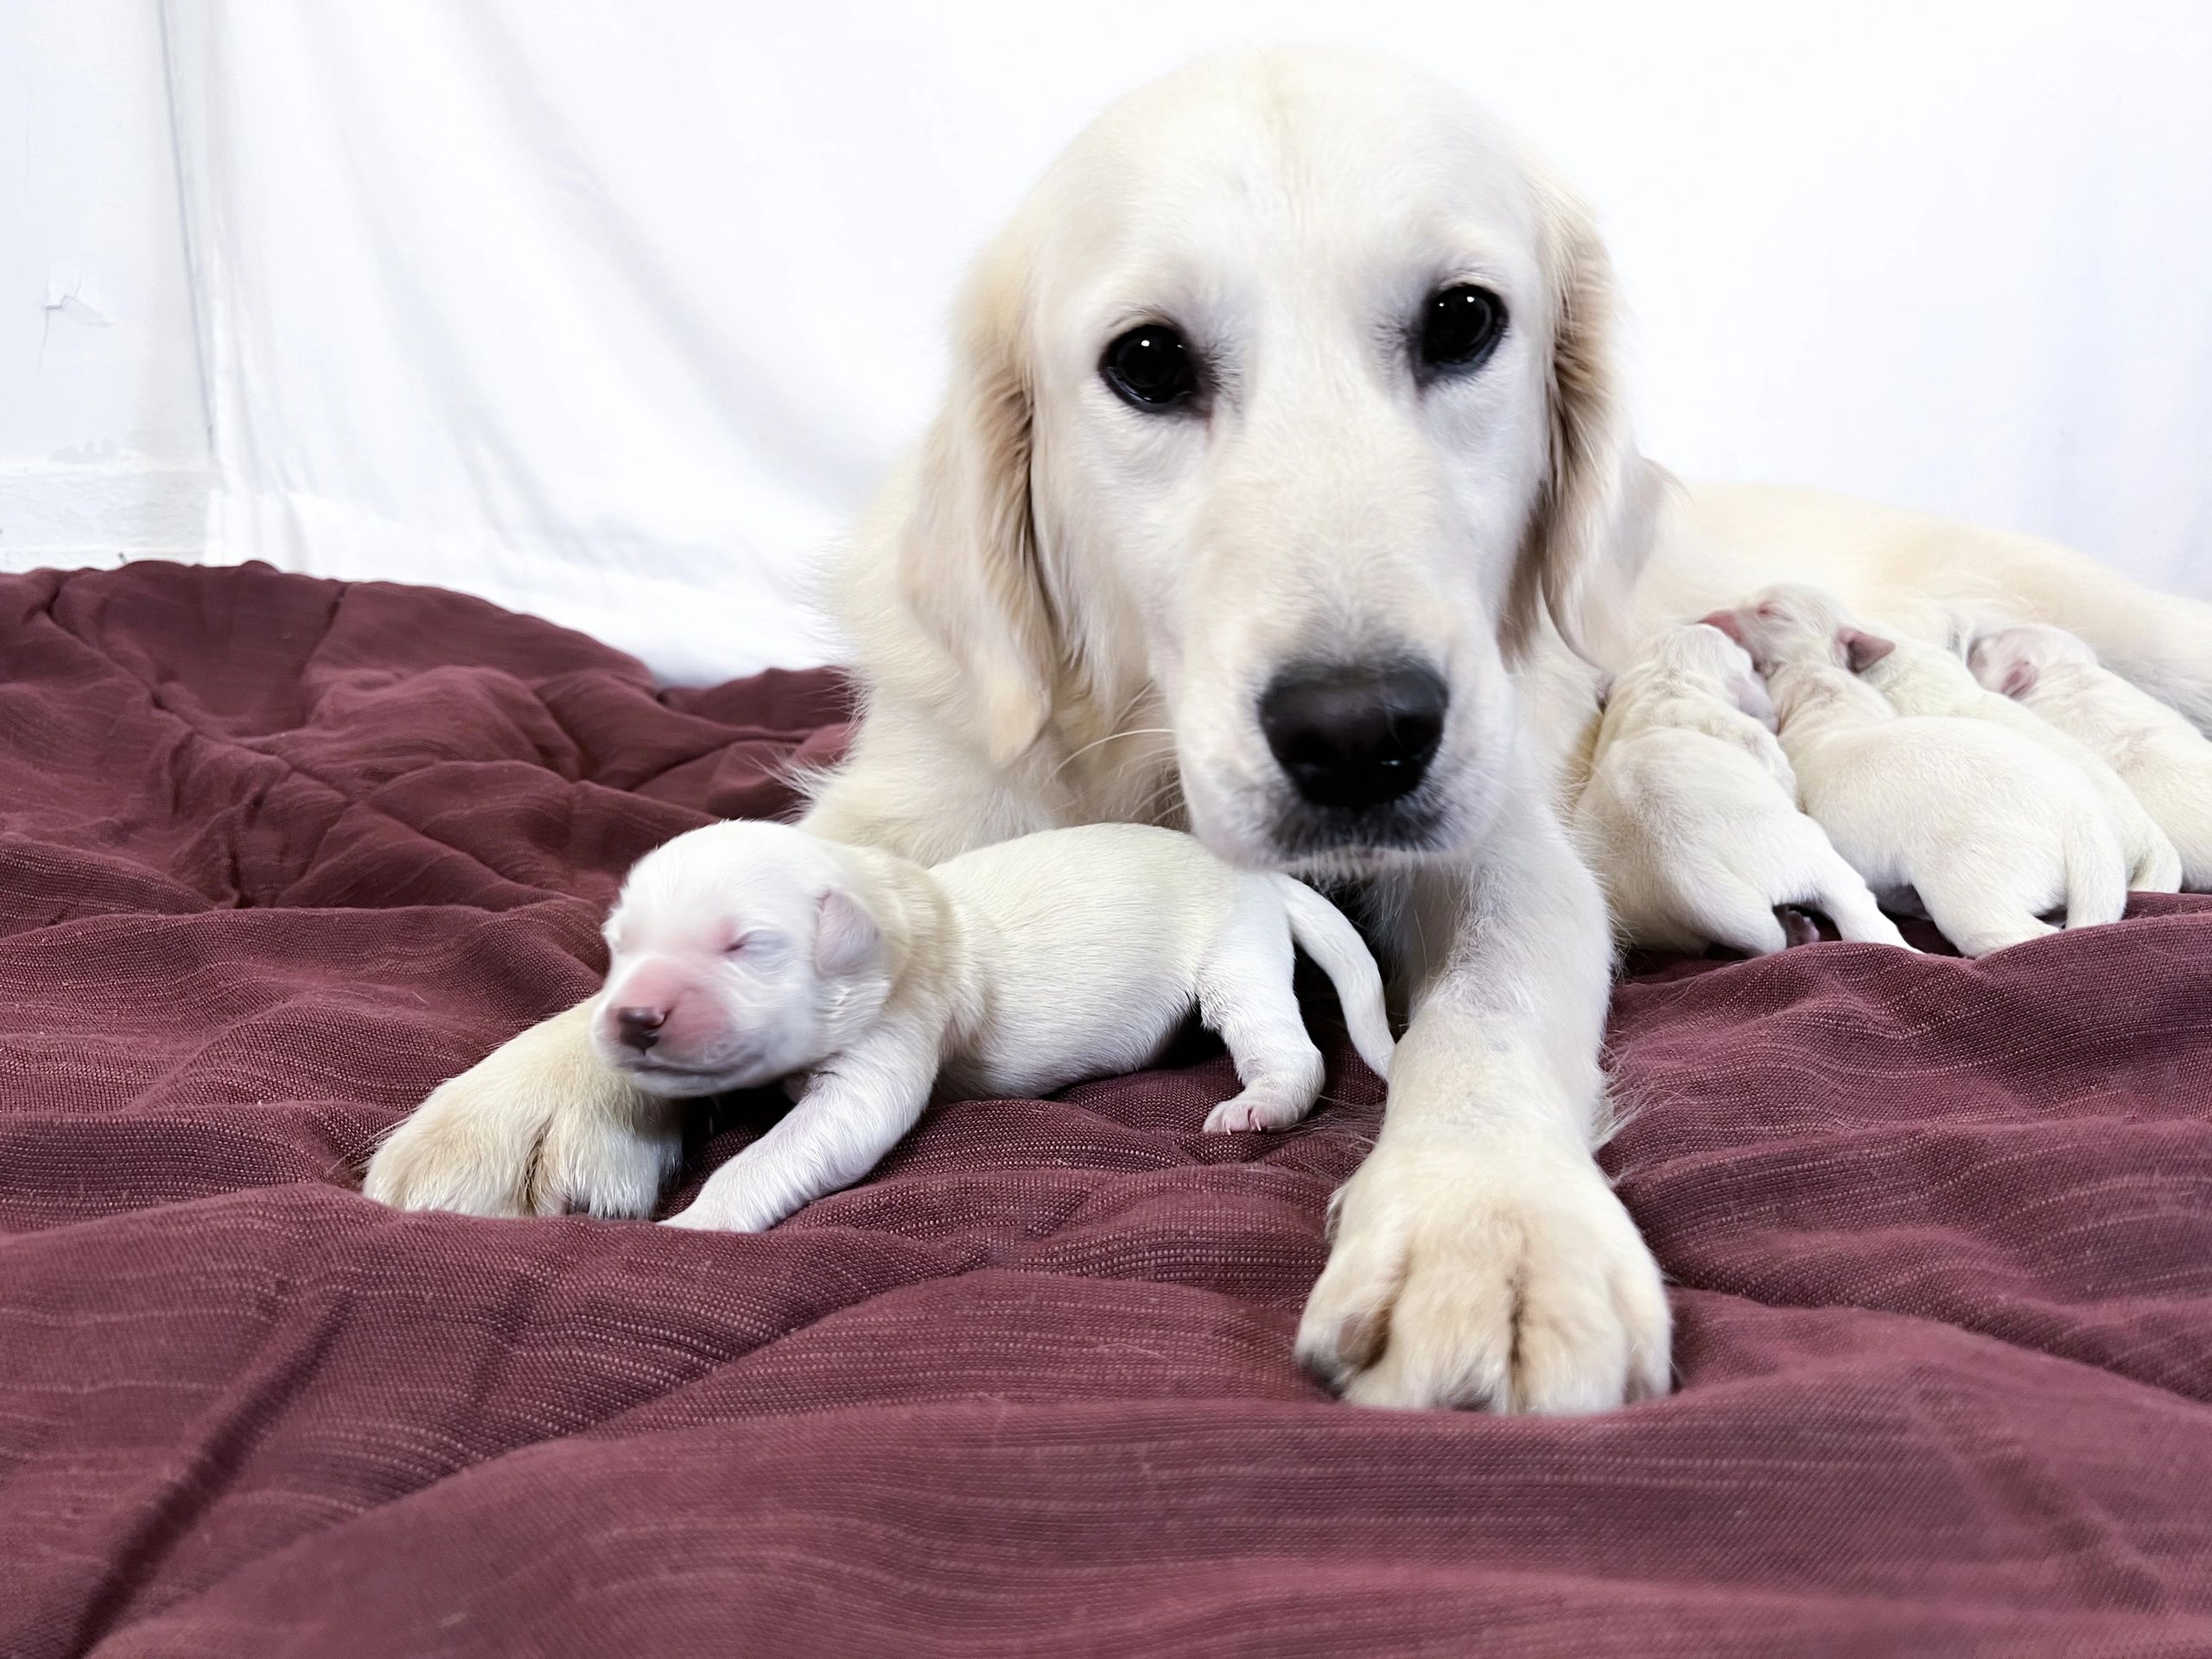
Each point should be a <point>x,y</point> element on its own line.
<point>708,1213</point>
<point>1248,1112</point>
<point>1797,928</point>
<point>1487,1270</point>
<point>692,1220</point>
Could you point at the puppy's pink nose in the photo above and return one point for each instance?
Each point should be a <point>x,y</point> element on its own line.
<point>641,1027</point>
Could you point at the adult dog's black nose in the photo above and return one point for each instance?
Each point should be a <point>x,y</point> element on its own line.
<point>641,1027</point>
<point>1354,737</point>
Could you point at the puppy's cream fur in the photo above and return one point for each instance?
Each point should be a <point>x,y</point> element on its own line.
<point>1919,678</point>
<point>1989,829</point>
<point>758,951</point>
<point>1691,812</point>
<point>2163,758</point>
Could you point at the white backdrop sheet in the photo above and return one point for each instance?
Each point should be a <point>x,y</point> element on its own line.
<point>615,312</point>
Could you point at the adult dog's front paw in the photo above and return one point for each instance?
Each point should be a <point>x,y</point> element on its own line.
<point>607,1163</point>
<point>465,1149</point>
<point>1486,1270</point>
<point>537,1129</point>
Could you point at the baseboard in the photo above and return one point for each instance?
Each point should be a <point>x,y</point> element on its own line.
<point>66,514</point>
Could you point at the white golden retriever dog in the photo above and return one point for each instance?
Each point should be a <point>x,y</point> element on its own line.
<point>1281,477</point>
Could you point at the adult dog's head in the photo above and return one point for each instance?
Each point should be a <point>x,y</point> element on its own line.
<point>1288,395</point>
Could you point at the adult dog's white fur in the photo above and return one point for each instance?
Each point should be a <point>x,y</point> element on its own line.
<point>1690,816</point>
<point>2163,758</point>
<point>1919,678</point>
<point>1987,829</point>
<point>1063,610</point>
<point>747,952</point>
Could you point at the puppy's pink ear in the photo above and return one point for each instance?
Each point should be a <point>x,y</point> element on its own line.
<point>1861,650</point>
<point>1728,622</point>
<point>846,938</point>
<point>1749,693</point>
<point>2020,679</point>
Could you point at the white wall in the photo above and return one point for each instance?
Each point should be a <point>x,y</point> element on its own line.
<point>616,313</point>
<point>103,432</point>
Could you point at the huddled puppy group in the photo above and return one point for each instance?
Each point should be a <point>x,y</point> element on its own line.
<point>1779,759</point>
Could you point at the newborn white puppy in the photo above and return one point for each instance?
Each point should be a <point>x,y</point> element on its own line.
<point>1691,810</point>
<point>1924,679</point>
<point>1988,829</point>
<point>747,952</point>
<point>2162,758</point>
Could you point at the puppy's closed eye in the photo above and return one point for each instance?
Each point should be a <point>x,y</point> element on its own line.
<point>760,948</point>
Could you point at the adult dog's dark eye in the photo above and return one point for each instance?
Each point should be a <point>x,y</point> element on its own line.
<point>1151,368</point>
<point>1458,326</point>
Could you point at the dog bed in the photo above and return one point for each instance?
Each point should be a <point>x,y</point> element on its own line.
<point>278,854</point>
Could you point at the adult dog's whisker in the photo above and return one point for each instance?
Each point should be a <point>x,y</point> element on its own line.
<point>1142,731</point>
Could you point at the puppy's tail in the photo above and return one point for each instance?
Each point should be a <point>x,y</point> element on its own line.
<point>2096,871</point>
<point>1322,933</point>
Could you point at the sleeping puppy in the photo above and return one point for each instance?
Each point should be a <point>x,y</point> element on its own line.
<point>744,953</point>
<point>1924,679</point>
<point>1989,829</point>
<point>2162,758</point>
<point>1691,810</point>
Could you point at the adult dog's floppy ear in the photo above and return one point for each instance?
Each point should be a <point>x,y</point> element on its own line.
<point>967,557</point>
<point>1590,532</point>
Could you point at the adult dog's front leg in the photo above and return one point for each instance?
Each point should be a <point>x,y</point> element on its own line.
<point>1480,1257</point>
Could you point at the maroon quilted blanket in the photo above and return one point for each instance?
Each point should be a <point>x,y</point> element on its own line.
<point>279,855</point>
